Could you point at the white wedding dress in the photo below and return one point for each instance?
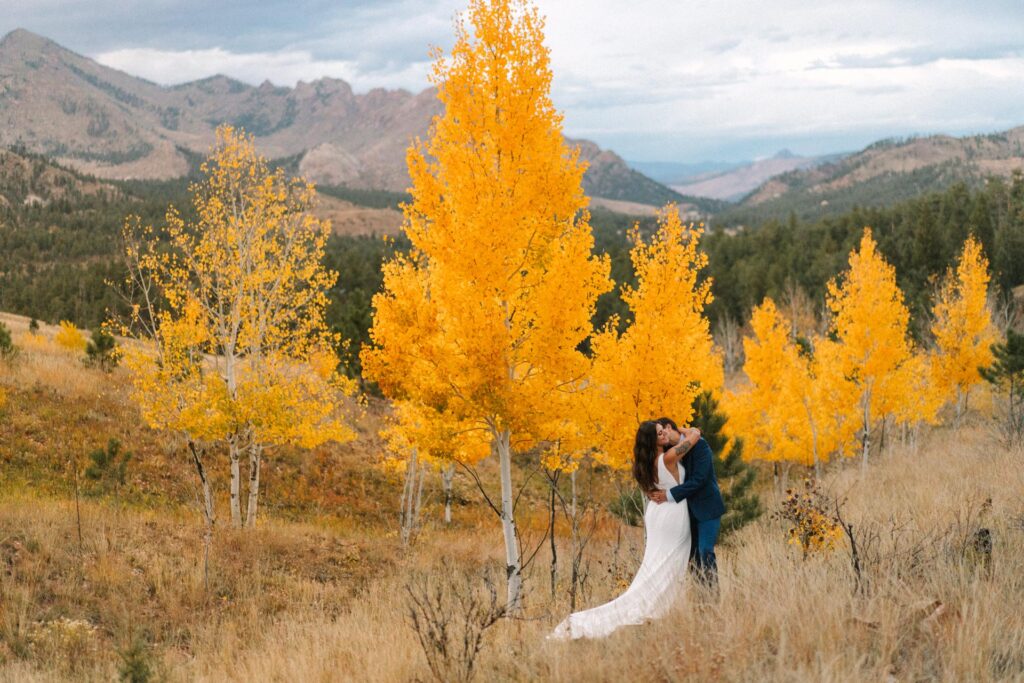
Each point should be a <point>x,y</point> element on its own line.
<point>658,582</point>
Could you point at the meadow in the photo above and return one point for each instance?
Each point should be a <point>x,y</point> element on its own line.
<point>102,579</point>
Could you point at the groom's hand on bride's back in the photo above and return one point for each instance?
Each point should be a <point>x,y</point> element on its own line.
<point>657,496</point>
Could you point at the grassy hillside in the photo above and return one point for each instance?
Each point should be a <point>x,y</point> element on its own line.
<point>318,592</point>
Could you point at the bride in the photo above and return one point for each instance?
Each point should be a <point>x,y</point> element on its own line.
<point>659,580</point>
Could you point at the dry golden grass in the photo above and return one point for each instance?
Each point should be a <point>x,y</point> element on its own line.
<point>318,591</point>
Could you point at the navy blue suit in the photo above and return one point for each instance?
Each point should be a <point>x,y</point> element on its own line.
<point>701,493</point>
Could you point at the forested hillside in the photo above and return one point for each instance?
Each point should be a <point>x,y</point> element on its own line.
<point>58,252</point>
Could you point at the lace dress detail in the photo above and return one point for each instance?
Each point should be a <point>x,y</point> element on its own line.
<point>660,579</point>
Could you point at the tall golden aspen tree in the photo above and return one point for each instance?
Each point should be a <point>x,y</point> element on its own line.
<point>870,320</point>
<point>666,356</point>
<point>798,406</point>
<point>963,328</point>
<point>490,307</point>
<point>236,308</point>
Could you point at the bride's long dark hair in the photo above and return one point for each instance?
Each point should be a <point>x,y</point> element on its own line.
<point>645,451</point>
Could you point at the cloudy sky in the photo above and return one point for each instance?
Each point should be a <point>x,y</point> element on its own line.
<point>660,81</point>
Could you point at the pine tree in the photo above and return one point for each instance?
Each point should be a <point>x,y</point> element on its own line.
<point>1007,374</point>
<point>735,476</point>
<point>101,350</point>
<point>7,347</point>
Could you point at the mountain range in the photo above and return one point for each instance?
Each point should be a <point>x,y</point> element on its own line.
<point>884,173</point>
<point>736,183</point>
<point>113,125</point>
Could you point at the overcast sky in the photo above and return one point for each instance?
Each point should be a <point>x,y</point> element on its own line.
<point>660,81</point>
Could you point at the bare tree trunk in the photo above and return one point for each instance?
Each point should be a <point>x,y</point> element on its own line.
<point>551,533</point>
<point>447,477</point>
<point>513,560</point>
<point>255,460</point>
<point>412,497</point>
<point>577,552</point>
<point>208,510</point>
<point>78,507</point>
<point>866,436</point>
<point>814,440</point>
<point>236,483</point>
<point>961,406</point>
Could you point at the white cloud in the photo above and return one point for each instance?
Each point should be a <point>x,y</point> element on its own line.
<point>664,79</point>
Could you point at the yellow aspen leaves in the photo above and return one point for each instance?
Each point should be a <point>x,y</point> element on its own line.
<point>236,309</point>
<point>963,328</point>
<point>70,337</point>
<point>798,406</point>
<point>659,364</point>
<point>870,320</point>
<point>487,313</point>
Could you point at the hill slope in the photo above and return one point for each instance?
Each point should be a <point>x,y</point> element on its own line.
<point>113,125</point>
<point>884,173</point>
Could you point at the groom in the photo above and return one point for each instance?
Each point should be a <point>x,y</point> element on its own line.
<point>700,491</point>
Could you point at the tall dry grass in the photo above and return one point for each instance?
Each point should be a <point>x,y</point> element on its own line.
<point>321,604</point>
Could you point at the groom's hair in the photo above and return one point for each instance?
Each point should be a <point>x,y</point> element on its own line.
<point>667,422</point>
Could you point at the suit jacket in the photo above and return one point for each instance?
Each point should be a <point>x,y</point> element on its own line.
<point>700,486</point>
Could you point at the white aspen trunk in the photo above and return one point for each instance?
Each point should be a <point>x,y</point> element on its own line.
<point>513,561</point>
<point>447,477</point>
<point>866,437</point>
<point>236,483</point>
<point>961,406</point>
<point>412,497</point>
<point>405,515</point>
<point>814,440</point>
<point>255,460</point>
<point>208,510</point>
<point>577,553</point>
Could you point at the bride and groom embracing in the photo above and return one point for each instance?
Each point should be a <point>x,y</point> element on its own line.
<point>671,465</point>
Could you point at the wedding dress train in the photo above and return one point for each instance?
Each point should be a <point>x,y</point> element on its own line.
<point>658,582</point>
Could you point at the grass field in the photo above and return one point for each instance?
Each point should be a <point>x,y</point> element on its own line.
<point>110,582</point>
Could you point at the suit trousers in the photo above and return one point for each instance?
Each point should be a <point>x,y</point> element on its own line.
<point>702,548</point>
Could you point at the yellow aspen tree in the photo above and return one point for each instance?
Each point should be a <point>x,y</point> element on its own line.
<point>914,396</point>
<point>870,320</point>
<point>768,413</point>
<point>502,265</point>
<point>963,327</point>
<point>424,439</point>
<point>830,402</point>
<point>247,277</point>
<point>798,406</point>
<point>666,356</point>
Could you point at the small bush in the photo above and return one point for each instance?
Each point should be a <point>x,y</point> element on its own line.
<point>100,350</point>
<point>815,528</point>
<point>7,347</point>
<point>450,611</point>
<point>70,337</point>
<point>33,326</point>
<point>136,664</point>
<point>108,466</point>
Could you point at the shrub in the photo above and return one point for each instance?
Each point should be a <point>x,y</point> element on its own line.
<point>7,347</point>
<point>70,337</point>
<point>136,664</point>
<point>108,466</point>
<point>815,529</point>
<point>101,350</point>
